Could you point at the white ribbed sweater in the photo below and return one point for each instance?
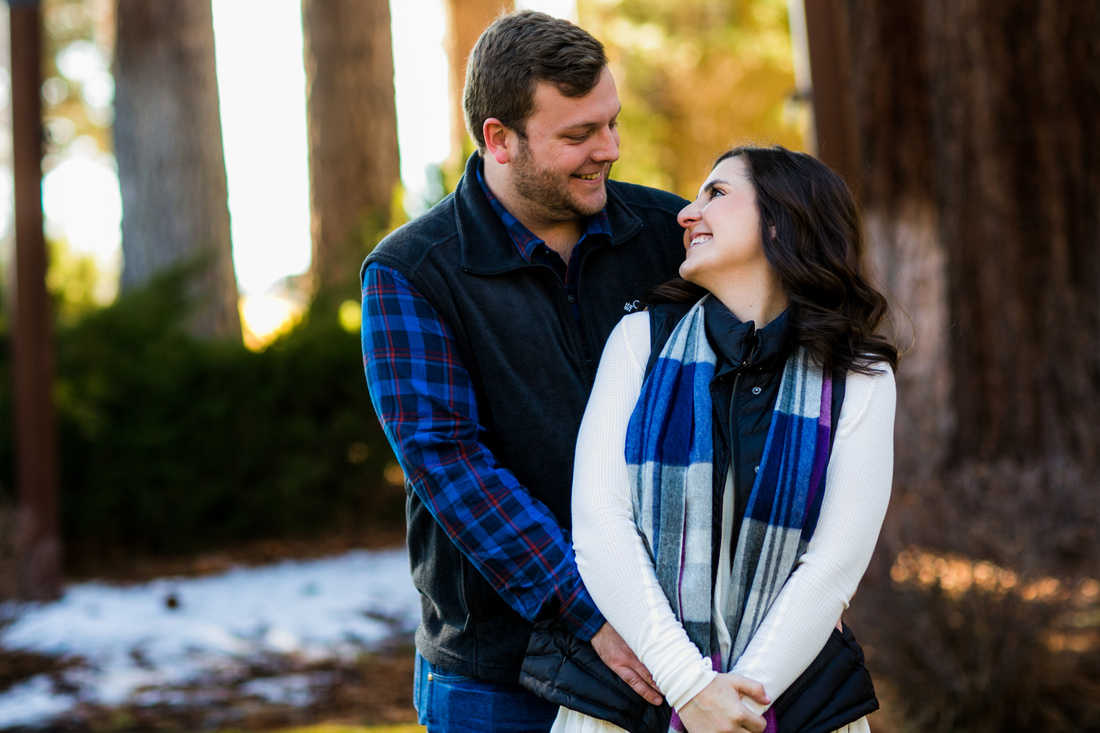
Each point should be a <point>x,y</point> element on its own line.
<point>620,575</point>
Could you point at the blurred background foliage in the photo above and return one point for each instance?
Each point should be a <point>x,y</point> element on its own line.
<point>696,77</point>
<point>77,114</point>
<point>77,86</point>
<point>172,444</point>
<point>981,610</point>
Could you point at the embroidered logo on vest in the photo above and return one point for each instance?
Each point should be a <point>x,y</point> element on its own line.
<point>632,306</point>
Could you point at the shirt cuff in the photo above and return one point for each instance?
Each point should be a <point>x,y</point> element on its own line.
<point>685,680</point>
<point>582,617</point>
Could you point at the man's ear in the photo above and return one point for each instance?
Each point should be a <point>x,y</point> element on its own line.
<point>499,140</point>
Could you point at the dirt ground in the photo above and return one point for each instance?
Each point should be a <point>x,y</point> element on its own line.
<point>375,690</point>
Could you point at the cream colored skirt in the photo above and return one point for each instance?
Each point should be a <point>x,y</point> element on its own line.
<point>570,721</point>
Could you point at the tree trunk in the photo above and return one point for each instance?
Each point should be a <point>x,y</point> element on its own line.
<point>171,166</point>
<point>977,119</point>
<point>37,540</point>
<point>466,19</point>
<point>893,112</point>
<point>981,182</point>
<point>352,118</point>
<point>1023,273</point>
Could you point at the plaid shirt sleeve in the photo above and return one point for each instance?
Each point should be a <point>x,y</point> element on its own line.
<point>425,400</point>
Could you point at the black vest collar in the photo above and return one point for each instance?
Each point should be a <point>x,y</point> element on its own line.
<point>734,340</point>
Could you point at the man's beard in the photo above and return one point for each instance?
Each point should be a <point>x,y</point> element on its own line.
<point>547,192</point>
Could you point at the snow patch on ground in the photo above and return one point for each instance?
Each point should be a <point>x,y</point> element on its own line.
<point>173,631</point>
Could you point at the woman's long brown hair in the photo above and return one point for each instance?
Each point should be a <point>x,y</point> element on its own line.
<point>818,254</point>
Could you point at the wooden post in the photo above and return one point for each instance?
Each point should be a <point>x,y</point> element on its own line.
<point>38,545</point>
<point>830,71</point>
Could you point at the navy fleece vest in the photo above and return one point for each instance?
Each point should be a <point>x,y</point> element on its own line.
<point>515,330</point>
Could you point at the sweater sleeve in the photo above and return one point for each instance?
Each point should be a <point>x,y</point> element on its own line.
<point>613,561</point>
<point>857,491</point>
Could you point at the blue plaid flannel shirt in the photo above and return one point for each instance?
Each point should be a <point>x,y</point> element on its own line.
<point>421,391</point>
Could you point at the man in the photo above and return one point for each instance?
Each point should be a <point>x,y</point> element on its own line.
<point>483,324</point>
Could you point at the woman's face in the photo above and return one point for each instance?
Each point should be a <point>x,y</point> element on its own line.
<point>722,229</point>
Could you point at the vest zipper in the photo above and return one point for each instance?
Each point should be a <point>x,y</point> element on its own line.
<point>735,439</point>
<point>735,458</point>
<point>578,321</point>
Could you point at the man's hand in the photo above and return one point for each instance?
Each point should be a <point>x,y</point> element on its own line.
<point>618,656</point>
<point>718,707</point>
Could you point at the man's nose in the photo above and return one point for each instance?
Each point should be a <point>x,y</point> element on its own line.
<point>608,146</point>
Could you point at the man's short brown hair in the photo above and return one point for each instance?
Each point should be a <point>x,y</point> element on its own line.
<point>516,52</point>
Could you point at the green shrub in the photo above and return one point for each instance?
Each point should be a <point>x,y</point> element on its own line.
<point>173,445</point>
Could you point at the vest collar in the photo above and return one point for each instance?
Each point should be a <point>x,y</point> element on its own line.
<point>734,340</point>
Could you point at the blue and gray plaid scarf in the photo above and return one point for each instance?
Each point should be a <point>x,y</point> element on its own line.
<point>669,450</point>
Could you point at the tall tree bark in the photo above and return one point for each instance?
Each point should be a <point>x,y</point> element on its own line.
<point>976,122</point>
<point>352,118</point>
<point>171,166</point>
<point>981,180</point>
<point>896,138</point>
<point>466,19</point>
<point>38,539</point>
<point>826,44</point>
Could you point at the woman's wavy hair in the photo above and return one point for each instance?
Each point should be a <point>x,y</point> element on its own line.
<point>818,252</point>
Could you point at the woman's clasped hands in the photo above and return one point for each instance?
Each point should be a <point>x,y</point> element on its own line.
<point>718,707</point>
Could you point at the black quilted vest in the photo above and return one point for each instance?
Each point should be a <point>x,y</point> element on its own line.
<point>514,328</point>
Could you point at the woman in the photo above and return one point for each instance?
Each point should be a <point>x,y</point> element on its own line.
<point>726,541</point>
